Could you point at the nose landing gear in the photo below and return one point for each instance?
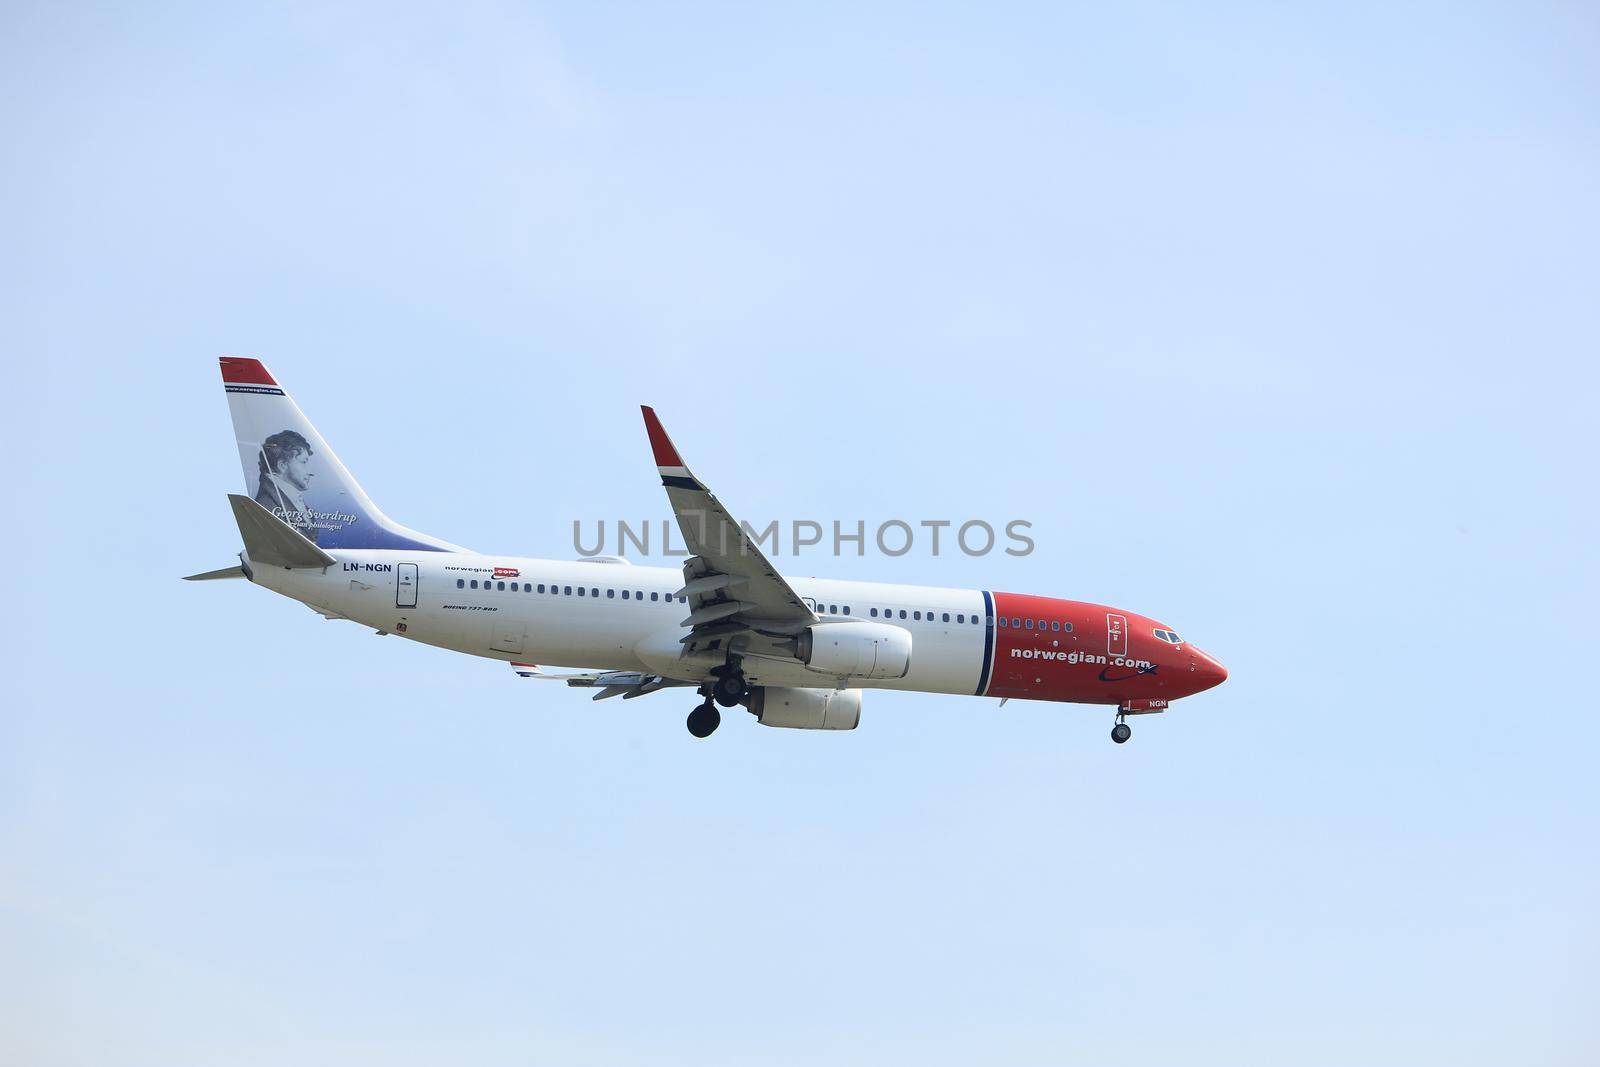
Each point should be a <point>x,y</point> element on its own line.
<point>1121,731</point>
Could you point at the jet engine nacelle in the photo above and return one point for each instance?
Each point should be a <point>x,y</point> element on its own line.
<point>806,709</point>
<point>857,649</point>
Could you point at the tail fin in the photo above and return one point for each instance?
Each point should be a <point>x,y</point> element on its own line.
<point>291,472</point>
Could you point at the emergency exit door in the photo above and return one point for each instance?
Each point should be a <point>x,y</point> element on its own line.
<point>405,585</point>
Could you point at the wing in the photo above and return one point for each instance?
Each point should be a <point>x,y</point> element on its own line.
<point>733,593</point>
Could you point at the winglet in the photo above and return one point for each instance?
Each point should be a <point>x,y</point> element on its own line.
<point>660,443</point>
<point>669,464</point>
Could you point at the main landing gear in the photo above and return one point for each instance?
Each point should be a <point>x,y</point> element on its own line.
<point>1121,731</point>
<point>704,720</point>
<point>728,688</point>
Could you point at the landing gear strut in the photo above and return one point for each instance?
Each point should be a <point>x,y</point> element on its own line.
<point>1121,731</point>
<point>704,720</point>
<point>729,690</point>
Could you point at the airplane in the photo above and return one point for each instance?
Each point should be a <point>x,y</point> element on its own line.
<point>796,653</point>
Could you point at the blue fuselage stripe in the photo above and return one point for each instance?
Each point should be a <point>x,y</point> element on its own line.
<point>988,642</point>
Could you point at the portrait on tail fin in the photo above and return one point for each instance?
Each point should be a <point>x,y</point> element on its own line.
<point>285,476</point>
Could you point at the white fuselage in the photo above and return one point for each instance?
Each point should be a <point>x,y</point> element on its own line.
<point>626,617</point>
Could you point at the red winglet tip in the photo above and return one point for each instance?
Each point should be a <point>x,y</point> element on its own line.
<point>237,370</point>
<point>660,443</point>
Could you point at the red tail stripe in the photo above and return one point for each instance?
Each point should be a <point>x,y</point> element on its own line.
<point>236,370</point>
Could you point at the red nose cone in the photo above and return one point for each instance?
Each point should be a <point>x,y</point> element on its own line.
<point>1207,672</point>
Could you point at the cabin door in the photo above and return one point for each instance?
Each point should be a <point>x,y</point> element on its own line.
<point>1116,635</point>
<point>405,585</point>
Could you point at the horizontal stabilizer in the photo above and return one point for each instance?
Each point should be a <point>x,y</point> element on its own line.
<point>625,684</point>
<point>268,539</point>
<point>235,571</point>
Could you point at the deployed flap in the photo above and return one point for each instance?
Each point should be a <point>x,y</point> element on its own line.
<point>270,540</point>
<point>730,585</point>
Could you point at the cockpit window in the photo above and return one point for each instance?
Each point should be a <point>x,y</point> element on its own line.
<point>1168,636</point>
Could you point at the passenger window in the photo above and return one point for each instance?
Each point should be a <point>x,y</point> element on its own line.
<point>847,609</point>
<point>594,592</point>
<point>1003,623</point>
<point>624,594</point>
<point>873,612</point>
<point>541,587</point>
<point>946,617</point>
<point>1066,627</point>
<point>580,590</point>
<point>514,588</point>
<point>917,615</point>
<point>988,622</point>
<point>611,594</point>
<point>902,613</point>
<point>1030,624</point>
<point>461,583</point>
<point>566,590</point>
<point>962,618</point>
<point>1016,623</point>
<point>654,595</point>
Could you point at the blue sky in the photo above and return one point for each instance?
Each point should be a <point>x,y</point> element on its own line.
<point>1277,324</point>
